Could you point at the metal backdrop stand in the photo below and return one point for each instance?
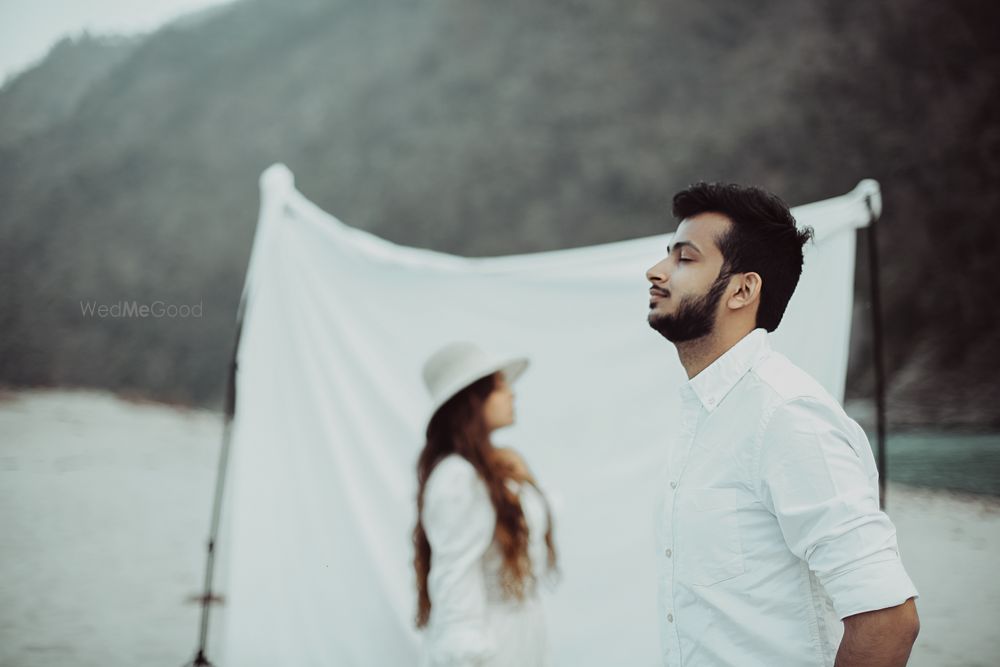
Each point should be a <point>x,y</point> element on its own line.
<point>208,598</point>
<point>876,319</point>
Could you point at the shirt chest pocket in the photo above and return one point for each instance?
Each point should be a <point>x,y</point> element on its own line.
<point>710,543</point>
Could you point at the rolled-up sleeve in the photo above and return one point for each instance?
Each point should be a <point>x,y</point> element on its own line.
<point>459,521</point>
<point>818,477</point>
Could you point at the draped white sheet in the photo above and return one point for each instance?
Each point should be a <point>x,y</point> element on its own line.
<point>315,552</point>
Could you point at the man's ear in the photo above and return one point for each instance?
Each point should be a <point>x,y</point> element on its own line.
<point>748,286</point>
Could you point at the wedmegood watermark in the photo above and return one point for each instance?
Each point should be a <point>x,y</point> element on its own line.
<point>134,309</point>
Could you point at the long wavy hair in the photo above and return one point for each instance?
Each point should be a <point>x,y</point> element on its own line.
<point>459,427</point>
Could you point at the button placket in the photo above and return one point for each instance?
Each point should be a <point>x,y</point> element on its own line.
<point>691,414</point>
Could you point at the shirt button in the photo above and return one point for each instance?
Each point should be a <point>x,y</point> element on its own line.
<point>711,401</point>
<point>673,485</point>
<point>669,553</point>
<point>670,618</point>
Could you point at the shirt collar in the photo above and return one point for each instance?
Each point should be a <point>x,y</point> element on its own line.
<point>713,384</point>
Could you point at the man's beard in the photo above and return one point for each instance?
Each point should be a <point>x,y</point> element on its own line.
<point>695,316</point>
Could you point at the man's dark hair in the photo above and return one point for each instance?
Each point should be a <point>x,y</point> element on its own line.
<point>762,238</point>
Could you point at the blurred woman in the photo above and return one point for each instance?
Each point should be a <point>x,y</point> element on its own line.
<point>483,538</point>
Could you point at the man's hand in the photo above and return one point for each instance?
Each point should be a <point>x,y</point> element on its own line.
<point>881,638</point>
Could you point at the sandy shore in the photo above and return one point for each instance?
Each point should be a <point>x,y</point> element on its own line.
<point>104,507</point>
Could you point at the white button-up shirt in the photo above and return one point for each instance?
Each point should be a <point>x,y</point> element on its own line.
<point>769,525</point>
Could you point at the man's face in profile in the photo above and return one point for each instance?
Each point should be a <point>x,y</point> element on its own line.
<point>686,285</point>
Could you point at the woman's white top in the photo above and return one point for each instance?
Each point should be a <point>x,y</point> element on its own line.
<point>471,623</point>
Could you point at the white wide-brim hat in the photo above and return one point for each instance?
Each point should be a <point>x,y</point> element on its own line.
<point>457,365</point>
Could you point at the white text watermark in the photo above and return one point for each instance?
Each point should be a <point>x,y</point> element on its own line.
<point>134,309</point>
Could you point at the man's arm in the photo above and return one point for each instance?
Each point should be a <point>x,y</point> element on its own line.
<point>817,476</point>
<point>881,638</point>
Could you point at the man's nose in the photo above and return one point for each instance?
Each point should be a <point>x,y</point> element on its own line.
<point>657,274</point>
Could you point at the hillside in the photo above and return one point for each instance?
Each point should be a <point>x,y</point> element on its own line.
<point>480,130</point>
<point>48,94</point>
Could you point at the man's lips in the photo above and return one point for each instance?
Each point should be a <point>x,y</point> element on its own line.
<point>655,294</point>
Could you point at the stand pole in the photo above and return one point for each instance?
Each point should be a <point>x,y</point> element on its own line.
<point>208,598</point>
<point>877,349</point>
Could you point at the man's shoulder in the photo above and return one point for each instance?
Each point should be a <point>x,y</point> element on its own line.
<point>787,382</point>
<point>795,397</point>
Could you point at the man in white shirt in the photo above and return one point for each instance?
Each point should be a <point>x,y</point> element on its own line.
<point>772,548</point>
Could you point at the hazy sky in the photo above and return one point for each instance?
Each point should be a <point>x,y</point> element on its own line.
<point>28,28</point>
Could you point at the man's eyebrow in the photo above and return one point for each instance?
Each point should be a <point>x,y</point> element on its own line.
<point>681,244</point>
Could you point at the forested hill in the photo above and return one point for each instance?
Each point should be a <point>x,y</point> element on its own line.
<point>128,169</point>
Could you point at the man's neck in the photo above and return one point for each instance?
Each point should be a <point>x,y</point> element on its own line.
<point>698,354</point>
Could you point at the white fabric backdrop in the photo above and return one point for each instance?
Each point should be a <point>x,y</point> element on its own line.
<point>315,550</point>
